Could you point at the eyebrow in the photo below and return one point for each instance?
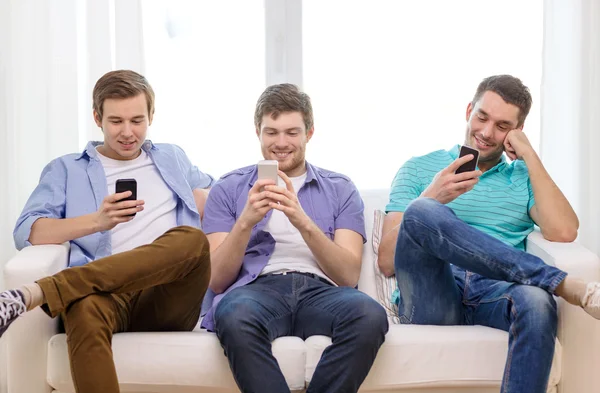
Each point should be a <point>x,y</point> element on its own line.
<point>119,118</point>
<point>499,121</point>
<point>288,129</point>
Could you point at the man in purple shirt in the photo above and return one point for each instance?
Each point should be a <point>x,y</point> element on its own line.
<point>286,257</point>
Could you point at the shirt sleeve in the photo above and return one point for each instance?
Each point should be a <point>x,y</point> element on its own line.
<point>219,212</point>
<point>406,187</point>
<point>47,200</point>
<point>193,175</point>
<point>351,214</point>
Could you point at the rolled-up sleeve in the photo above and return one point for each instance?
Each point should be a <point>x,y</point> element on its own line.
<point>219,212</point>
<point>46,201</point>
<point>194,177</point>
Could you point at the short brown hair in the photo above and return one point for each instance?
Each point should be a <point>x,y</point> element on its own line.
<point>121,84</point>
<point>282,98</point>
<point>512,91</point>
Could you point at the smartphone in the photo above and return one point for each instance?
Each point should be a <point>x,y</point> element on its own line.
<point>471,165</point>
<point>123,185</point>
<point>267,169</point>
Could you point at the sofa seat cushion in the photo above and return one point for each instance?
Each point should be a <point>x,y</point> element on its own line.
<point>174,362</point>
<point>435,356</point>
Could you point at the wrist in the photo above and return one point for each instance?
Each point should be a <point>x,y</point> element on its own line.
<point>529,155</point>
<point>94,222</point>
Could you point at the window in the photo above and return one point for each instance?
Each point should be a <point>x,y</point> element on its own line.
<point>206,64</point>
<point>388,79</point>
<point>392,79</point>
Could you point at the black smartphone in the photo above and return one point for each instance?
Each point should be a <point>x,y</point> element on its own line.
<point>471,165</point>
<point>123,185</point>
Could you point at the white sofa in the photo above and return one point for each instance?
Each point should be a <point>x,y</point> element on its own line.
<point>418,359</point>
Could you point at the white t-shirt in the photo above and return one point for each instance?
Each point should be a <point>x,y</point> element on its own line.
<point>291,252</point>
<point>159,214</point>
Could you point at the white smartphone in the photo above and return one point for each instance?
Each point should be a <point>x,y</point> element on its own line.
<point>267,169</point>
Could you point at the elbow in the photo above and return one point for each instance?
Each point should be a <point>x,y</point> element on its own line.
<point>564,235</point>
<point>386,268</point>
<point>216,288</point>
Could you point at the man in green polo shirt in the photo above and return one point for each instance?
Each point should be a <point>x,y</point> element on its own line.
<point>456,241</point>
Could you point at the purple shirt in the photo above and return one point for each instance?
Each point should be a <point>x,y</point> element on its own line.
<point>330,199</point>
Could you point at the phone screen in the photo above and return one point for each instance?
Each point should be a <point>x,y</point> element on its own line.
<point>123,185</point>
<point>471,165</point>
<point>267,169</point>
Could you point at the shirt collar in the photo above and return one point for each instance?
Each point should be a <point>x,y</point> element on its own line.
<point>91,152</point>
<point>456,150</point>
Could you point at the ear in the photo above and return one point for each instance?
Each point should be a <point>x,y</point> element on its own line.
<point>150,118</point>
<point>310,133</point>
<point>97,119</point>
<point>258,133</point>
<point>469,110</point>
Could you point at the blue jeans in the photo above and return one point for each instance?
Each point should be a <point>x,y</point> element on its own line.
<point>249,318</point>
<point>450,273</point>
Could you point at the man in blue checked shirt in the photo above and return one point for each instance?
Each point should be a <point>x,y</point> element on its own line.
<point>134,265</point>
<point>286,258</point>
<point>456,241</point>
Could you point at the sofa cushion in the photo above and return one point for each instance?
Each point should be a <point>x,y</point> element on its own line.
<point>174,362</point>
<point>435,356</point>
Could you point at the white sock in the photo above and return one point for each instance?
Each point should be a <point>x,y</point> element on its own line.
<point>34,296</point>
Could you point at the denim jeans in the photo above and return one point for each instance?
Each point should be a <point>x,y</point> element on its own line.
<point>450,273</point>
<point>249,318</point>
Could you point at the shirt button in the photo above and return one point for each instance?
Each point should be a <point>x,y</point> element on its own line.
<point>266,235</point>
<point>268,254</point>
<point>254,275</point>
<point>330,229</point>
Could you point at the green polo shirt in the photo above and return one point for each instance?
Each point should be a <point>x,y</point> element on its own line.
<point>498,205</point>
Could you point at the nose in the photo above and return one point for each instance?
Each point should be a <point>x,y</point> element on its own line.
<point>487,130</point>
<point>126,130</point>
<point>281,140</point>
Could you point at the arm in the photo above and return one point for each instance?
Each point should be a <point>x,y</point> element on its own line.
<point>200,197</point>
<point>387,246</point>
<point>341,258</point>
<point>552,212</point>
<point>228,247</point>
<point>59,230</point>
<point>445,187</point>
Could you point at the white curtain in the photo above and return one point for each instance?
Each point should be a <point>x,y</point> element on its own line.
<point>51,54</point>
<point>570,137</point>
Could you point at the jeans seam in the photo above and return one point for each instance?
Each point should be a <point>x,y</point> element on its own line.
<point>510,348</point>
<point>500,267</point>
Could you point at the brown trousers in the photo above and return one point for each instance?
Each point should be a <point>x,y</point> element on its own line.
<point>155,287</point>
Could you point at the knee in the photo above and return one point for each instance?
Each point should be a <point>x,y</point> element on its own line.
<point>422,210</point>
<point>536,308</point>
<point>371,321</point>
<point>197,238</point>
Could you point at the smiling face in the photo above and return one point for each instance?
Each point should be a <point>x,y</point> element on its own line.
<point>488,123</point>
<point>284,139</point>
<point>124,123</point>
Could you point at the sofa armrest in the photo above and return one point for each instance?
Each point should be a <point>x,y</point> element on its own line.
<point>578,332</point>
<point>29,335</point>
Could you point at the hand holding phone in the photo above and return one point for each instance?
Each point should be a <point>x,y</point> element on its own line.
<point>119,207</point>
<point>257,205</point>
<point>456,179</point>
<point>471,165</point>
